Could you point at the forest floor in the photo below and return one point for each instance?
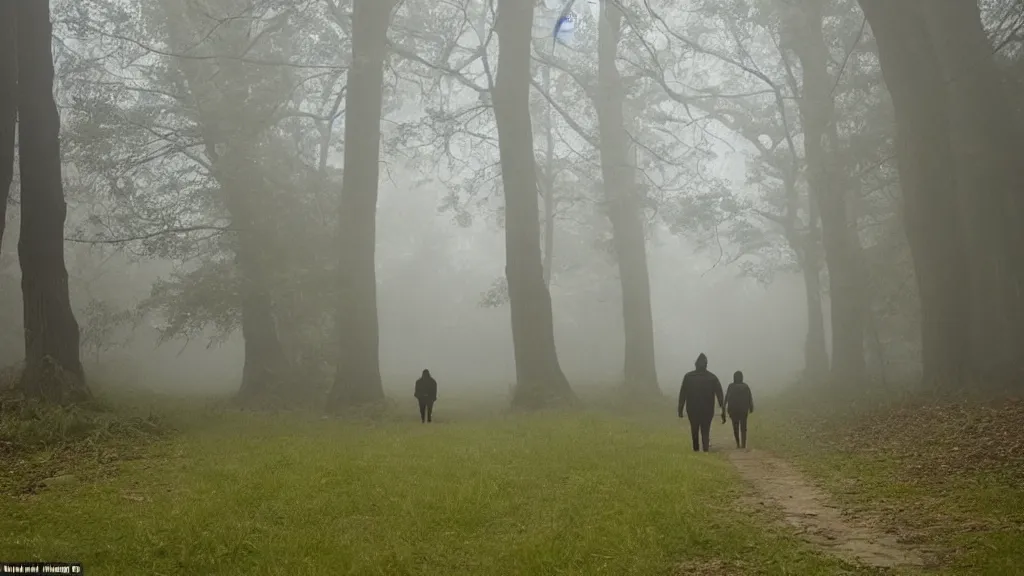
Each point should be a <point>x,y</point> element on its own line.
<point>939,478</point>
<point>816,516</point>
<point>200,490</point>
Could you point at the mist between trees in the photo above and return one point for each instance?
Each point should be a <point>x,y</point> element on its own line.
<point>329,196</point>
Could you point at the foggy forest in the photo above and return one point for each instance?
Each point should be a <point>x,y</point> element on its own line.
<point>242,240</point>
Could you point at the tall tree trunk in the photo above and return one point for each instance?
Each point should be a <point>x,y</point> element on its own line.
<point>540,381</point>
<point>229,146</point>
<point>624,211</point>
<point>53,367</point>
<point>547,176</point>
<point>877,347</point>
<point>816,365</point>
<point>266,372</point>
<point>828,184</point>
<point>549,231</point>
<point>986,144</point>
<point>8,106</point>
<point>928,181</point>
<point>357,380</point>
<point>807,246</point>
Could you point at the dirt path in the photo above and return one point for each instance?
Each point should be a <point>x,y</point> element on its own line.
<point>816,518</point>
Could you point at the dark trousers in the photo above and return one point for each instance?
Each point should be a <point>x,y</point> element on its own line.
<point>426,409</point>
<point>739,429</point>
<point>700,431</point>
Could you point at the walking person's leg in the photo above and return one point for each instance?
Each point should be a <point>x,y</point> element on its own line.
<point>736,429</point>
<point>743,430</point>
<point>705,432</point>
<point>430,410</point>
<point>423,411</point>
<point>695,433</point>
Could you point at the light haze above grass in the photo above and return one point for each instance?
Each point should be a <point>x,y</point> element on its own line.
<point>583,494</point>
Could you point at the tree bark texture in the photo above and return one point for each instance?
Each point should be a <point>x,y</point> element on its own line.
<point>816,362</point>
<point>357,380</point>
<point>807,247</point>
<point>540,381</point>
<point>625,212</point>
<point>53,368</point>
<point>939,218</point>
<point>986,143</point>
<point>547,175</point>
<point>829,187</point>
<point>8,106</point>
<point>266,371</point>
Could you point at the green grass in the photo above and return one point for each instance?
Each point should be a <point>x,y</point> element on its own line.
<point>919,465</point>
<point>581,493</point>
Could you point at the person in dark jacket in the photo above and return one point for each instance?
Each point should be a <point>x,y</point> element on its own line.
<point>426,393</point>
<point>739,403</point>
<point>697,396</point>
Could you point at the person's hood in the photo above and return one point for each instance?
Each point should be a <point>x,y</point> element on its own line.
<point>702,362</point>
<point>426,374</point>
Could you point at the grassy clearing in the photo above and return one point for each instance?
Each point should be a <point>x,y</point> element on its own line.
<point>248,494</point>
<point>38,441</point>
<point>943,473</point>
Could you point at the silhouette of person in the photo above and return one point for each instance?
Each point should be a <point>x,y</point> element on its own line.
<point>697,396</point>
<point>426,393</point>
<point>739,402</point>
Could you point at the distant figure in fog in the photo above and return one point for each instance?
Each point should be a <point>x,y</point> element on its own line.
<point>697,396</point>
<point>426,393</point>
<point>739,403</point>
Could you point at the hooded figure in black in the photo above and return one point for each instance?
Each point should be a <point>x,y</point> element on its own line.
<point>426,393</point>
<point>697,396</point>
<point>739,403</point>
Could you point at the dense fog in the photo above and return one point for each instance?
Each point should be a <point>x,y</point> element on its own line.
<point>433,275</point>
<point>314,201</point>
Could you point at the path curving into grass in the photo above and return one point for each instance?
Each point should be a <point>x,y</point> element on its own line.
<point>817,518</point>
<point>582,494</point>
<point>940,474</point>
